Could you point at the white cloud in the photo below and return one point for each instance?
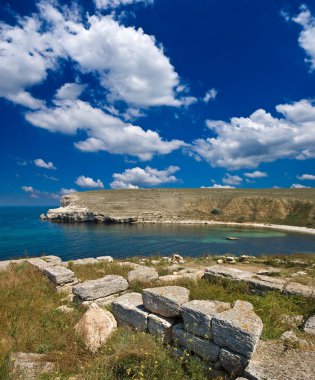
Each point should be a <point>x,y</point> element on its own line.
<point>129,64</point>
<point>88,182</point>
<point>245,142</point>
<point>104,4</point>
<point>307,36</point>
<point>26,55</point>
<point>64,191</point>
<point>138,177</point>
<point>210,95</point>
<point>28,189</point>
<point>218,186</point>
<point>35,193</point>
<point>105,132</point>
<point>25,99</point>
<point>256,174</point>
<point>298,186</point>
<point>307,177</point>
<point>70,91</point>
<point>231,179</point>
<point>45,165</point>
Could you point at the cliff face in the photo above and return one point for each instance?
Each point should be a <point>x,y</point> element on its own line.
<point>279,206</point>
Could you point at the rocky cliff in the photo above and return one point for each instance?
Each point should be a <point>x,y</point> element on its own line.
<point>279,206</point>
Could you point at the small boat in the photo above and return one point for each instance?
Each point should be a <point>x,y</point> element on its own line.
<point>231,238</point>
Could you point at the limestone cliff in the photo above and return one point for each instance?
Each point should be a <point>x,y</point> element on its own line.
<point>280,206</point>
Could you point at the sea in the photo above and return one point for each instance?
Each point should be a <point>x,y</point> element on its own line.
<point>23,234</point>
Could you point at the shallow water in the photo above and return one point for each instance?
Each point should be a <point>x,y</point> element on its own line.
<point>22,233</point>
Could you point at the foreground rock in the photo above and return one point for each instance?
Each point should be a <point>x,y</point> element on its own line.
<point>29,366</point>
<point>273,361</point>
<point>60,275</point>
<point>198,315</point>
<point>129,310</point>
<point>103,287</point>
<point>161,327</point>
<point>309,326</point>
<point>143,274</point>
<point>206,349</point>
<point>166,301</point>
<point>238,329</point>
<point>95,327</point>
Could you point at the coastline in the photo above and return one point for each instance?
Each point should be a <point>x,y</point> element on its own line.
<point>297,229</point>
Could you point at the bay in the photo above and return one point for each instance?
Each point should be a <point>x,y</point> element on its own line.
<point>23,234</point>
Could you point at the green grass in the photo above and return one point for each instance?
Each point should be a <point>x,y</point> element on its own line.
<point>30,323</point>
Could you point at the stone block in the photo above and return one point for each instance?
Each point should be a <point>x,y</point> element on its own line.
<point>166,300</point>
<point>129,309</point>
<point>29,366</point>
<point>309,326</point>
<point>262,284</point>
<point>238,329</point>
<point>59,275</point>
<point>294,288</point>
<point>233,363</point>
<point>161,327</point>
<point>100,288</point>
<point>143,274</point>
<point>107,259</point>
<point>217,271</point>
<point>198,315</point>
<point>205,348</point>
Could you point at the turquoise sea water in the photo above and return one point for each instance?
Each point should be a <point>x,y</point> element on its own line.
<point>22,233</point>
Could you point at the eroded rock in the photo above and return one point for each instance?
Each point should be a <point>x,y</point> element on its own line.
<point>128,309</point>
<point>238,329</point>
<point>143,274</point>
<point>309,326</point>
<point>59,275</point>
<point>165,300</point>
<point>233,363</point>
<point>100,288</point>
<point>29,366</point>
<point>205,348</point>
<point>161,327</point>
<point>95,327</point>
<point>198,315</point>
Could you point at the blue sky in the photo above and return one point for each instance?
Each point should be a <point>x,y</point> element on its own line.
<point>155,93</point>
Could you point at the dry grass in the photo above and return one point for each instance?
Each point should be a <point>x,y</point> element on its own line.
<point>94,271</point>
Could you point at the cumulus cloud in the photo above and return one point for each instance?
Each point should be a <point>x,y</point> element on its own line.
<point>129,64</point>
<point>138,177</point>
<point>306,177</point>
<point>298,186</point>
<point>89,183</point>
<point>307,35</point>
<point>40,163</point>
<point>256,174</point>
<point>229,179</point>
<point>105,132</point>
<point>245,142</point>
<point>70,91</point>
<point>105,4</point>
<point>210,95</point>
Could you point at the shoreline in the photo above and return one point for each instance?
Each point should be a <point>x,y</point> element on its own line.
<point>297,229</point>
